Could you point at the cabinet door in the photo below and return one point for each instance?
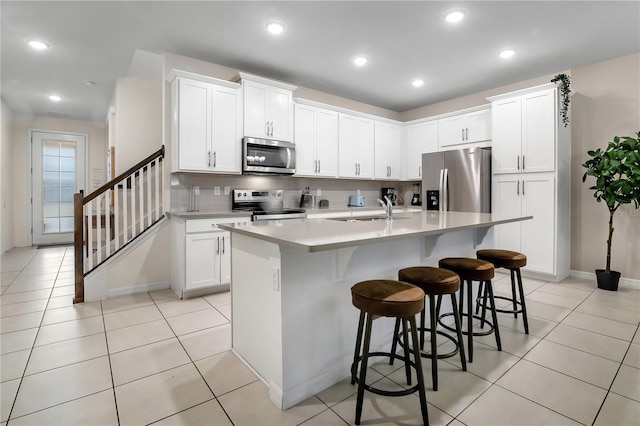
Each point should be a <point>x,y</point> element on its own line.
<point>255,109</point>
<point>451,130</point>
<point>506,202</point>
<point>194,124</point>
<point>202,261</point>
<point>347,164</point>
<point>507,135</point>
<point>538,131</point>
<point>364,147</point>
<point>478,126</point>
<point>280,114</point>
<point>387,149</point>
<point>226,130</point>
<point>538,200</point>
<point>225,257</point>
<point>421,138</point>
<point>326,142</point>
<point>306,164</point>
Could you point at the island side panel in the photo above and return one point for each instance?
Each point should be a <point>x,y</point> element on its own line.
<point>256,308</point>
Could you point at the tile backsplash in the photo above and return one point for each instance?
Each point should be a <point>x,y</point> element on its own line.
<point>336,191</point>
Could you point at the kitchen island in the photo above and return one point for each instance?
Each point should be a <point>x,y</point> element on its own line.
<point>292,318</point>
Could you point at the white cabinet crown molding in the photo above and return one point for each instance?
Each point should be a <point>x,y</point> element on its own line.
<point>342,110</point>
<point>267,81</point>
<point>449,114</point>
<point>173,74</point>
<point>521,92</point>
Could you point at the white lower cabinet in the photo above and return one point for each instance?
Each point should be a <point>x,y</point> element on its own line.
<point>203,255</point>
<point>531,194</point>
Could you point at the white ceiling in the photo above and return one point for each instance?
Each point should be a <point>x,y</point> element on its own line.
<point>96,41</point>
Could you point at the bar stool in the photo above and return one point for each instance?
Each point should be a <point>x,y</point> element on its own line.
<point>434,282</point>
<point>513,261</point>
<point>387,298</point>
<point>470,270</point>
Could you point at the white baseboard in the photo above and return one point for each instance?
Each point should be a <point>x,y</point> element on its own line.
<point>139,288</point>
<point>629,283</point>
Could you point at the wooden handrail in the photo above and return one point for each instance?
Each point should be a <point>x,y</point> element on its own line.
<point>122,176</point>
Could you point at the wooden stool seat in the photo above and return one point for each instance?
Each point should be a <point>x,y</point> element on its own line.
<point>468,268</point>
<point>387,298</point>
<point>435,282</point>
<point>503,258</point>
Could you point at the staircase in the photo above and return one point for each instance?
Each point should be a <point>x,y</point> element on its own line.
<point>114,215</point>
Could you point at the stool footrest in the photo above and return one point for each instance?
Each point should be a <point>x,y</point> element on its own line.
<point>424,354</point>
<point>383,392</point>
<point>504,311</point>
<point>466,332</point>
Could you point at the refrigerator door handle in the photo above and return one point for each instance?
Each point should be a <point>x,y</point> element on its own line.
<point>446,189</point>
<point>441,188</point>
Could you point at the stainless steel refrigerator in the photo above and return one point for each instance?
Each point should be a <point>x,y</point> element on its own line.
<point>457,180</point>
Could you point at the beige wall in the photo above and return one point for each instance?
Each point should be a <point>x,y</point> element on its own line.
<point>606,104</point>
<point>137,121</point>
<point>6,178</point>
<point>21,163</point>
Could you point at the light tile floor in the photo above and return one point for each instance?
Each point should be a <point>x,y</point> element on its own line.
<point>151,358</point>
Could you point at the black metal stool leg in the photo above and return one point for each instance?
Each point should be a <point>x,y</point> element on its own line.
<point>478,297</point>
<point>407,360</point>
<point>363,368</point>
<point>434,346</point>
<point>394,342</point>
<point>494,315</point>
<point>524,306</point>
<point>422,315</point>
<point>456,316</point>
<point>354,366</point>
<point>484,305</point>
<point>469,317</point>
<point>513,295</point>
<point>416,357</point>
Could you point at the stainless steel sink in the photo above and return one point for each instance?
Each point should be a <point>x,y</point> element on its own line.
<point>364,218</point>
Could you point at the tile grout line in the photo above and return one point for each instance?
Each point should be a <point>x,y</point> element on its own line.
<point>113,385</point>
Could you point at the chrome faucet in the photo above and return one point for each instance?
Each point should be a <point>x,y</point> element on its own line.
<point>388,207</point>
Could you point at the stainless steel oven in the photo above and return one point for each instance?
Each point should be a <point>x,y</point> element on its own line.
<point>264,204</point>
<point>264,156</point>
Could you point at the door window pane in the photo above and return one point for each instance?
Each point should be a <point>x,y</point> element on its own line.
<point>67,164</point>
<point>67,149</point>
<point>51,148</point>
<point>66,224</point>
<point>51,225</point>
<point>59,185</point>
<point>51,163</point>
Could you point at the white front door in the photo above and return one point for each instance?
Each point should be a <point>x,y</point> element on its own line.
<point>58,171</point>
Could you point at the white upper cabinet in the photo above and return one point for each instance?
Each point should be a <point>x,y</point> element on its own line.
<point>465,128</point>
<point>524,133</point>
<point>388,149</point>
<point>355,142</point>
<point>316,139</point>
<point>421,138</point>
<point>207,126</point>
<point>268,108</point>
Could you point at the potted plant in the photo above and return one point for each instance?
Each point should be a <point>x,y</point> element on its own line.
<point>617,172</point>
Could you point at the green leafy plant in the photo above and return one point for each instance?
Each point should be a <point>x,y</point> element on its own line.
<point>565,91</point>
<point>617,172</point>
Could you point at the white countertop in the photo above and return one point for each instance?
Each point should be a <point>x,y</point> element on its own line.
<point>314,235</point>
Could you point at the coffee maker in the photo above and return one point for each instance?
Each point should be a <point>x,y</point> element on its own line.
<point>391,193</point>
<point>415,198</point>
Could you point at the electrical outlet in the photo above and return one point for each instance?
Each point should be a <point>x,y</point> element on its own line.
<point>318,192</point>
<point>216,190</point>
<point>227,190</point>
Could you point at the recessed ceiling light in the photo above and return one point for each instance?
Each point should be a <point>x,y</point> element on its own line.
<point>360,60</point>
<point>89,83</point>
<point>38,45</point>
<point>417,83</point>
<point>55,98</point>
<point>508,53</point>
<point>275,27</point>
<point>454,16</point>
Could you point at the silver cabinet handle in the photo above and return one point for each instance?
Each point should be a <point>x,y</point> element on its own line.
<point>209,159</point>
<point>518,188</point>
<point>419,170</point>
<point>319,166</point>
<point>518,162</point>
<point>267,128</point>
<point>214,159</point>
<point>218,247</point>
<point>462,132</point>
<point>522,186</point>
<point>315,166</point>
<point>271,134</point>
<point>223,245</point>
<point>523,170</point>
<point>358,169</point>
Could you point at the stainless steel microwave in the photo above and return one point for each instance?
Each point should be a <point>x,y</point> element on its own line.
<point>266,156</point>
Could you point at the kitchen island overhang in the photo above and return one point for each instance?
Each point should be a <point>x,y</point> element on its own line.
<point>292,318</point>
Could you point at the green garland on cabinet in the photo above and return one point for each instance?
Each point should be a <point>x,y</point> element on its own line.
<point>565,91</point>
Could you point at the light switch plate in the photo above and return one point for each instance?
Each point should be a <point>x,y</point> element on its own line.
<point>227,190</point>
<point>216,190</point>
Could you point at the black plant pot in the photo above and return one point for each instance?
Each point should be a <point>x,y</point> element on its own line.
<point>608,281</point>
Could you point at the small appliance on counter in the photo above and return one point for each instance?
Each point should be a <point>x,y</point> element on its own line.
<point>356,201</point>
<point>415,198</point>
<point>391,193</point>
